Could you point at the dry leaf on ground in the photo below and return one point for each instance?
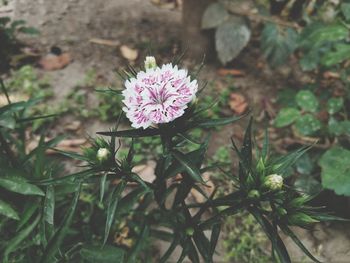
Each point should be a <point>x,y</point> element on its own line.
<point>129,53</point>
<point>54,62</point>
<point>230,72</point>
<point>146,171</point>
<point>238,103</point>
<point>106,42</point>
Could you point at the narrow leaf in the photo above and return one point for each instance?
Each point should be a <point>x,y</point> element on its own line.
<point>57,239</point>
<point>112,206</point>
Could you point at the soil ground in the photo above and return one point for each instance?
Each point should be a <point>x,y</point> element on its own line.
<point>70,24</point>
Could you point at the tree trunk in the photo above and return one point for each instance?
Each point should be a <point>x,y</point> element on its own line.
<point>196,42</point>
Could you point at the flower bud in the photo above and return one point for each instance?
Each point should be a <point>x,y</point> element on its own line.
<point>301,219</point>
<point>254,194</point>
<point>150,62</point>
<point>103,154</point>
<point>189,231</point>
<point>273,182</point>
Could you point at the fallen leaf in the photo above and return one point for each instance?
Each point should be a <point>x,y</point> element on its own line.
<point>146,171</point>
<point>238,103</point>
<point>13,98</point>
<point>230,72</point>
<point>53,62</point>
<point>129,53</point>
<point>106,42</point>
<point>208,189</point>
<point>72,126</point>
<point>331,75</point>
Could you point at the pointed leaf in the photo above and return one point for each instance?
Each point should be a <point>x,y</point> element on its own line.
<point>13,244</point>
<point>8,211</point>
<point>55,242</point>
<point>296,240</point>
<point>112,206</point>
<point>134,133</point>
<point>19,185</point>
<point>107,254</point>
<point>190,168</point>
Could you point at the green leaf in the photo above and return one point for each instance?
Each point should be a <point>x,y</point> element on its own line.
<point>8,211</point>
<point>134,133</point>
<point>19,185</point>
<point>319,33</point>
<point>345,9</point>
<point>215,233</point>
<point>13,244</point>
<point>102,186</point>
<point>346,127</point>
<point>140,243</point>
<point>218,122</point>
<point>335,127</point>
<point>7,121</point>
<point>335,170</point>
<point>277,243</point>
<point>29,30</point>
<point>170,250</point>
<point>49,205</point>
<point>282,164</point>
<point>304,165</point>
<point>307,125</point>
<point>308,184</point>
<point>192,170</point>
<point>107,254</point>
<point>296,240</point>
<point>278,43</point>
<point>203,245</point>
<point>340,53</point>
<point>112,207</point>
<point>214,15</point>
<point>128,201</point>
<point>55,242</point>
<point>29,209</point>
<point>286,116</point>
<point>307,100</point>
<point>334,105</point>
<point>231,37</point>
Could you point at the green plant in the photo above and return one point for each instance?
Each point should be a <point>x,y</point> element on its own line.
<point>244,241</point>
<point>9,44</point>
<point>27,210</point>
<point>26,82</point>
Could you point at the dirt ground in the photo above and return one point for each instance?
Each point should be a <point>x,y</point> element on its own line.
<point>71,24</point>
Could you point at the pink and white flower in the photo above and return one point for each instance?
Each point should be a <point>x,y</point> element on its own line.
<point>158,95</point>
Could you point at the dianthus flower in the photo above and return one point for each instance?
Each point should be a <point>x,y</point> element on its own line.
<point>158,95</point>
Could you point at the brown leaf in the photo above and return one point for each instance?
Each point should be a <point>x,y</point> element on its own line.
<point>53,62</point>
<point>331,75</point>
<point>106,42</point>
<point>238,103</point>
<point>146,171</point>
<point>129,53</point>
<point>230,72</point>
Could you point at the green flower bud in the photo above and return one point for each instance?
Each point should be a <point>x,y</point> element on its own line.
<point>150,62</point>
<point>260,167</point>
<point>301,219</point>
<point>254,194</point>
<point>273,182</point>
<point>103,154</point>
<point>189,231</point>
